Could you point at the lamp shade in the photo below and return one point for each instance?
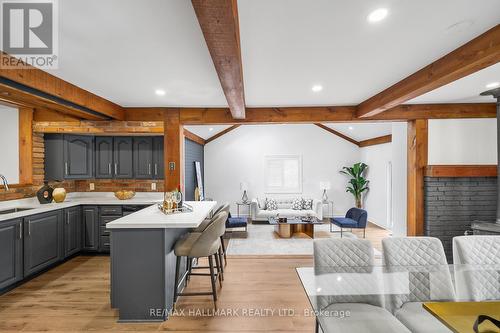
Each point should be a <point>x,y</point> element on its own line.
<point>243,186</point>
<point>324,185</point>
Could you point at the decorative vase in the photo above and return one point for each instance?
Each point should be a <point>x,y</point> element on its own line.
<point>244,198</point>
<point>59,194</point>
<point>44,194</point>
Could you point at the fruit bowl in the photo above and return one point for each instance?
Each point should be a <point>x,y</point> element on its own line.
<point>124,195</point>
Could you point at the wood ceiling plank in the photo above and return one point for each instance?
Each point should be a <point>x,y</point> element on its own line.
<point>481,52</point>
<point>219,23</point>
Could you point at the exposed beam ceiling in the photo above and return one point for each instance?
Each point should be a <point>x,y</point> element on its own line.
<point>479,53</point>
<point>42,85</point>
<point>375,141</point>
<point>340,135</point>
<point>218,135</point>
<point>193,137</point>
<point>219,22</point>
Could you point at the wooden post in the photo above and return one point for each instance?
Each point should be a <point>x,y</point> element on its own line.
<point>417,161</point>
<point>25,145</point>
<point>173,150</point>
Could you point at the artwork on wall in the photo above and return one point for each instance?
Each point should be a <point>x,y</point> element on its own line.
<point>283,174</point>
<point>199,180</point>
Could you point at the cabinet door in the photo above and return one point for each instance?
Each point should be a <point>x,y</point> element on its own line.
<point>11,260</point>
<point>72,231</point>
<point>158,162</point>
<point>143,157</point>
<point>90,228</point>
<point>78,156</point>
<point>42,241</point>
<point>54,156</point>
<point>104,157</point>
<point>122,157</point>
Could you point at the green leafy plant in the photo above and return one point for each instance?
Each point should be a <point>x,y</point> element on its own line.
<point>358,183</point>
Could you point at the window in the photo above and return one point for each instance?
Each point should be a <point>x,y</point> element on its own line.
<point>283,174</point>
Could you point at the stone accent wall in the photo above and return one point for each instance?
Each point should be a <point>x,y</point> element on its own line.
<point>451,204</point>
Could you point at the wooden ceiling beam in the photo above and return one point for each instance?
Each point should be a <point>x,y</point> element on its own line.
<point>38,82</point>
<point>218,135</point>
<point>219,23</point>
<point>193,137</point>
<point>340,135</point>
<point>376,141</point>
<point>481,52</point>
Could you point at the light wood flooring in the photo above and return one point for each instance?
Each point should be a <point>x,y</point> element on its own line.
<point>74,297</point>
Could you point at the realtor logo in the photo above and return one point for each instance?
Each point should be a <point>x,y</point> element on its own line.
<point>29,33</point>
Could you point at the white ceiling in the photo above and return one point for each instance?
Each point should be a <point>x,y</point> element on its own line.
<point>206,131</point>
<point>362,131</point>
<point>125,49</point>
<point>465,90</point>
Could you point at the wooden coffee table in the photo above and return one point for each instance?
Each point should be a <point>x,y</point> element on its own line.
<point>294,225</point>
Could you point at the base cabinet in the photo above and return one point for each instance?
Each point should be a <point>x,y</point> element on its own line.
<point>42,241</point>
<point>72,231</point>
<point>11,251</point>
<point>90,228</point>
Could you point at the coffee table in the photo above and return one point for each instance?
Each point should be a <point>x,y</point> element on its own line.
<point>294,225</point>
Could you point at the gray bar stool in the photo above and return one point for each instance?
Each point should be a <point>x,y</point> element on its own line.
<point>198,245</point>
<point>223,208</point>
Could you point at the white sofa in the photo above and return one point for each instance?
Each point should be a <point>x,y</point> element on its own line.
<point>284,209</point>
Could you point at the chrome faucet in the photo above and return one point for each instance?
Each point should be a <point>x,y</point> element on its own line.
<point>5,182</point>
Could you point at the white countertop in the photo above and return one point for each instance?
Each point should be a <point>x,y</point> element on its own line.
<point>75,199</point>
<point>153,218</point>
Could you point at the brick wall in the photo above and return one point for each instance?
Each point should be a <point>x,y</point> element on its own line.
<point>451,204</point>
<point>101,185</point>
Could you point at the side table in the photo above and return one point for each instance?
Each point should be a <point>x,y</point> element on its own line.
<point>239,203</point>
<point>329,204</point>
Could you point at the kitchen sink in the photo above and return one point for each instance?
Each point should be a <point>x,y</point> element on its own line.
<point>14,210</point>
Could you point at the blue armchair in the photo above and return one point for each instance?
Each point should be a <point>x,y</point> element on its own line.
<point>355,218</point>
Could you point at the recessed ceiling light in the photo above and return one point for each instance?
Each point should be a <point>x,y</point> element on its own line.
<point>317,88</point>
<point>378,15</point>
<point>211,129</point>
<point>493,85</point>
<point>351,128</point>
<point>160,92</point>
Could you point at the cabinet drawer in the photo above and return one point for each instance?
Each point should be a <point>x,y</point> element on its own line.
<point>107,219</point>
<point>104,231</point>
<point>105,244</point>
<point>111,210</point>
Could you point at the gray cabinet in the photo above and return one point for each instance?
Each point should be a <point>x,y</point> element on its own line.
<point>72,231</point>
<point>90,228</point>
<point>143,157</point>
<point>11,260</point>
<point>42,241</point>
<point>78,156</point>
<point>122,157</point>
<point>104,157</point>
<point>158,161</point>
<point>106,215</point>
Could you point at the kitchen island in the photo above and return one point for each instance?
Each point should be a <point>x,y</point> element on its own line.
<point>143,260</point>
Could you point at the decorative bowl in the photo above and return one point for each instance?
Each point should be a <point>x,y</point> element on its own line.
<point>124,195</point>
<point>59,194</point>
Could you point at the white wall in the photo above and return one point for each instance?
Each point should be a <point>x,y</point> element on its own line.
<point>238,156</point>
<point>378,159</point>
<point>399,180</point>
<point>9,136</point>
<point>462,141</point>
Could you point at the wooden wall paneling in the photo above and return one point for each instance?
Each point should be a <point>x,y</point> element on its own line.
<point>25,146</point>
<point>376,141</point>
<point>173,150</point>
<point>100,127</point>
<point>479,53</point>
<point>42,114</point>
<point>417,162</point>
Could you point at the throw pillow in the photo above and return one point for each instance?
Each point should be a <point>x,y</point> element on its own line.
<point>297,204</point>
<point>307,204</point>
<point>261,203</point>
<point>271,204</point>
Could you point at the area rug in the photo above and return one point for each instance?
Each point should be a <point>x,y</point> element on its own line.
<point>262,240</point>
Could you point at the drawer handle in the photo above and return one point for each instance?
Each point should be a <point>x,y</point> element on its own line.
<point>109,168</point>
<point>116,169</point>
<point>156,169</point>
<point>149,168</point>
<point>29,228</point>
<point>66,168</point>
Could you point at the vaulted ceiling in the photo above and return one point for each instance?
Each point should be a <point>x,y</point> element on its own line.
<point>124,50</point>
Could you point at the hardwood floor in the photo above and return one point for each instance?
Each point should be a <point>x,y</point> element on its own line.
<point>74,297</point>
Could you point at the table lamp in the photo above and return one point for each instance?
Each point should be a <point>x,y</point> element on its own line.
<point>325,186</point>
<point>244,188</point>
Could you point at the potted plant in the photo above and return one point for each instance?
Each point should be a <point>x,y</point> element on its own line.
<point>358,183</point>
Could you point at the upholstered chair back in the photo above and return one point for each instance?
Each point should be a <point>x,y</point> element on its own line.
<point>476,262</point>
<point>359,215</point>
<point>418,265</point>
<point>209,241</point>
<point>354,257</point>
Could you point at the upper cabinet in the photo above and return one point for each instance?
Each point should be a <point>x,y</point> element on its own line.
<point>143,157</point>
<point>86,157</point>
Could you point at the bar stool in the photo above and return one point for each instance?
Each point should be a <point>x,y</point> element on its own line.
<point>198,245</point>
<point>203,225</point>
<point>223,208</point>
